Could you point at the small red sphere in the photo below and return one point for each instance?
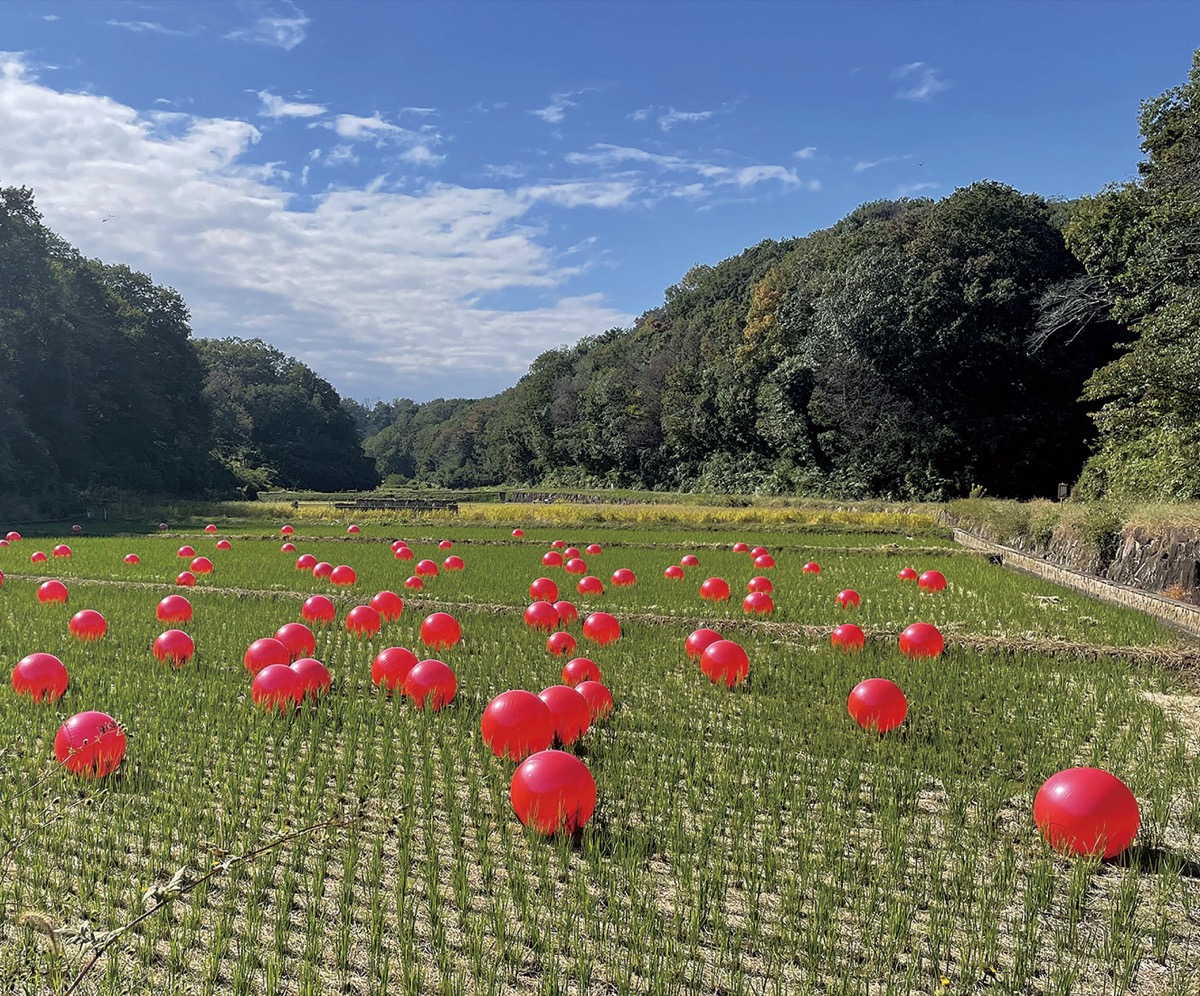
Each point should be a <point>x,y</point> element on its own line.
<point>575,566</point>
<point>593,550</point>
<point>286,530</point>
<point>623,577</point>
<point>567,613</point>
<point>689,560</point>
<point>201,565</point>
<point>453,563</point>
<point>760,584</point>
<point>552,558</point>
<point>322,569</point>
<point>758,603</point>
<point>185,579</point>
<point>518,533</point>
<point>298,638</point>
<point>427,568</point>
<point>353,529</point>
<point>210,528</point>
<point>590,585</point>
<point>403,553</point>
<point>812,567</point>
<point>414,583</point>
<point>906,574</point>
<point>132,558</point>
<point>543,589</point>
<point>445,545</point>
<point>932,581</point>
<point>224,545</point>
<point>87,624</point>
<point>306,562</point>
<point>541,615</point>
<point>288,548</point>
<point>343,576</point>
<point>186,552</point>
<point>848,598</point>
<point>315,680</point>
<point>61,550</point>
<point>740,548</point>
<point>673,573</point>
<point>598,698</point>
<point>764,561</point>
<point>38,557</point>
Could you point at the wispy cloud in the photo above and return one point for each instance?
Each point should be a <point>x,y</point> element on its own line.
<point>919,81</point>
<point>673,117</point>
<point>272,22</point>
<point>865,164</point>
<point>50,17</point>
<point>145,27</point>
<point>641,114</point>
<point>277,107</point>
<point>556,110</point>
<point>421,112</point>
<point>907,190</point>
<point>806,153</point>
<point>416,147</point>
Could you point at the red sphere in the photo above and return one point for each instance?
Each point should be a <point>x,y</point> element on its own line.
<point>415,583</point>
<point>174,608</point>
<point>403,553</point>
<point>921,640</point>
<point>41,676</point>
<point>322,569</point>
<point>1087,811</point>
<point>388,604</point>
<point>715,590</point>
<point>699,640</point>
<point>575,566</point>
<point>764,561</point>
<point>277,686</point>
<point>593,550</point>
<point>353,528</point>
<point>298,638</point>
<point>848,598</point>
<point>848,637</point>
<point>552,558</point>
<point>812,567</point>
<point>516,724</point>
<point>553,792</point>
<point>689,560</point>
<point>878,704</point>
<point>87,624</point>
<point>362,620</point>
<point>601,628</point>
<point>453,563</point>
<point>760,584</point>
<point>13,537</point>
<point>318,609</point>
<point>224,545</point>
<point>62,550</point>
<point>174,646</point>
<point>578,670</point>
<point>598,698</point>
<point>186,551</point>
<point>560,643</point>
<point>906,574</point>
<point>445,545</point>
<point>287,548</point>
<point>590,585</point>
<point>518,533</point>
<point>306,562</point>
<point>740,548</point>
<point>314,676</point>
<point>427,568</point>
<point>724,660</point>
<point>543,589</point>
<point>440,630</point>
<point>757,551</point>
<point>201,565</point>
<point>570,553</point>
<point>570,710</point>
<point>132,558</point>
<point>541,615</point>
<point>90,744</point>
<point>673,573</point>
<point>391,666</point>
<point>286,530</point>
<point>623,577</point>
<point>185,579</point>
<point>932,581</point>
<point>210,528</point>
<point>51,591</point>
<point>265,652</point>
<point>567,613</point>
<point>558,544</point>
<point>342,576</point>
<point>430,683</point>
<point>758,603</point>
<point>38,557</point>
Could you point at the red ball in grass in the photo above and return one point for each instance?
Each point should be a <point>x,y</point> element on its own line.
<point>3,543</point>
<point>322,569</point>
<point>353,529</point>
<point>570,710</point>
<point>298,638</point>
<point>77,528</point>
<point>445,545</point>
<point>397,544</point>
<point>1087,811</point>
<point>558,544</point>
<point>764,561</point>
<point>760,584</point>
<point>848,598</point>
<point>516,724</point>
<point>741,548</point>
<point>673,573</point>
<point>601,628</point>
<point>38,557</point>
<point>715,590</point>
<point>623,577</point>
<point>453,563</point>
<point>593,549</point>
<point>427,568</point>
<point>87,624</point>
<point>598,698</point>
<point>575,566</point>
<point>580,669</point>
<point>391,666</point>
<point>725,661</point>
<point>567,613</point>
<point>175,647</point>
<point>185,579</point>
<point>185,552</point>
<point>921,639</point>
<point>175,609</point>
<point>162,526</point>
<point>758,603</point>
<point>61,550</point>
<point>757,551</point>
<point>403,553</point>
<point>286,530</point>
<point>590,585</point>
<point>1,577</point>
<point>388,604</point>
<point>211,527</point>
<point>91,744</point>
<point>414,583</point>
<point>541,615</point>
<point>689,560</point>
<point>571,552</point>
<point>265,652</point>
<point>289,548</point>
<point>430,683</point>
<point>201,565</point>
<point>132,558</point>
<point>277,687</point>
<point>43,677</point>
<point>560,643</point>
<point>932,581</point>
<point>878,704</point>
<point>543,589</point>
<point>343,576</point>
<point>812,567</point>
<point>848,637</point>
<point>306,562</point>
<point>440,630</point>
<point>318,609</point>
<point>906,574</point>
<point>553,792</point>
<point>224,545</point>
<point>518,533</point>
<point>552,558</point>
<point>315,680</point>
<point>12,537</point>
<point>51,591</point>
<point>362,620</point>
<point>699,640</point>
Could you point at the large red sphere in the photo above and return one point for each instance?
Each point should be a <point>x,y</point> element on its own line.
<point>13,537</point>
<point>552,558</point>
<point>567,613</point>
<point>560,643</point>
<point>673,573</point>
<point>590,585</point>
<point>430,683</point>
<point>306,562</point>
<point>516,724</point>
<point>921,640</point>
<point>403,553</point>
<point>388,604</point>
<point>1087,811</point>
<point>724,660</point>
<point>543,589</point>
<point>427,568</point>
<point>90,743</point>
<point>322,569</point>
<point>623,577</point>
<point>571,712</point>
<point>298,638</point>
<point>265,652</point>
<point>440,630</point>
<point>314,676</point>
<point>765,585</point>
<point>700,639</point>
<point>553,791</point>
<point>598,698</point>
<point>318,609</point>
<point>343,576</point>
<point>277,686</point>
<point>87,624</point>
<point>362,620</point>
<point>201,565</point>
<point>186,552</point>
<point>848,637</point>
<point>175,647</point>
<point>52,591</point>
<point>848,598</point>
<point>932,581</point>
<point>578,670</point>
<point>715,590</point>
<point>541,615</point>
<point>601,628</point>
<point>62,550</point>
<point>185,579</point>
<point>575,566</point>
<point>391,666</point>
<point>41,676</point>
<point>757,551</point>
<point>758,603</point>
<point>175,609</point>
<point>878,704</point>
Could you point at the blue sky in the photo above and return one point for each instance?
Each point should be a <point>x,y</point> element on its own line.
<point>418,198</point>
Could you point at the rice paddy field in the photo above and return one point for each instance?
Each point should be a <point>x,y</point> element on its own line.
<point>745,840</point>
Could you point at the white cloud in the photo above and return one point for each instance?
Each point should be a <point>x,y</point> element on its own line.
<point>806,153</point>
<point>556,110</point>
<point>383,292</point>
<point>277,107</point>
<point>673,117</point>
<point>865,164</point>
<point>641,114</point>
<point>144,27</point>
<point>416,147</point>
<point>340,155</point>
<point>581,193</point>
<point>919,81</point>
<point>50,17</point>
<point>421,112</point>
<point>747,176</point>
<point>272,22</point>
<point>908,190</point>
